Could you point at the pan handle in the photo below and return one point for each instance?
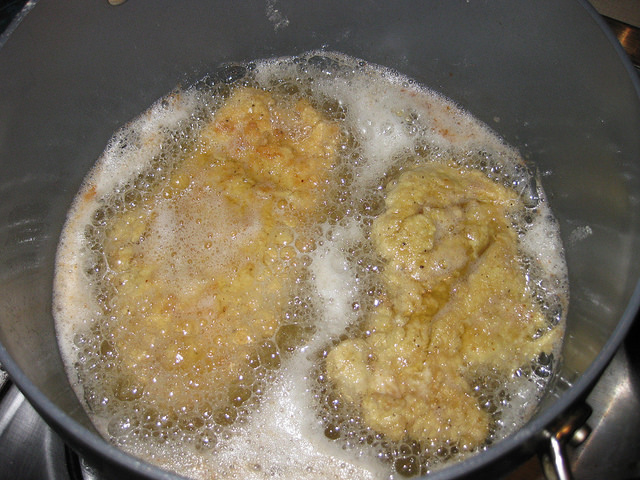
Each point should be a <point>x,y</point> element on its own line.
<point>570,428</point>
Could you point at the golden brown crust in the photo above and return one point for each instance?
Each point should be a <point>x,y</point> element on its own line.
<point>203,268</point>
<point>455,300</point>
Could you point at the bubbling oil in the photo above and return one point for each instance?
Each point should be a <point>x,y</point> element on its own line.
<point>276,414</point>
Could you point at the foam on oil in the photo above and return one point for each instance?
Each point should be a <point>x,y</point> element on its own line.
<point>277,431</point>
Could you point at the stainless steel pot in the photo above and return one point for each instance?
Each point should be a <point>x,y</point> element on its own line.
<point>545,75</point>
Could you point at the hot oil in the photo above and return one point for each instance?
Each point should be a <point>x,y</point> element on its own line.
<point>280,411</point>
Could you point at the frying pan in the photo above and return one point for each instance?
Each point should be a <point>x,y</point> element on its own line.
<point>545,75</point>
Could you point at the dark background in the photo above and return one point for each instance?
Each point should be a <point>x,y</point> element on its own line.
<point>8,10</point>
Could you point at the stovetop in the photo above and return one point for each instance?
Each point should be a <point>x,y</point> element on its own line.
<point>30,450</point>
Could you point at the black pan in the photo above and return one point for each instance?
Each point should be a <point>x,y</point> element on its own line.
<point>72,72</point>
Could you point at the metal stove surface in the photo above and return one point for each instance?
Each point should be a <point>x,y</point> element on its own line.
<point>30,450</point>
